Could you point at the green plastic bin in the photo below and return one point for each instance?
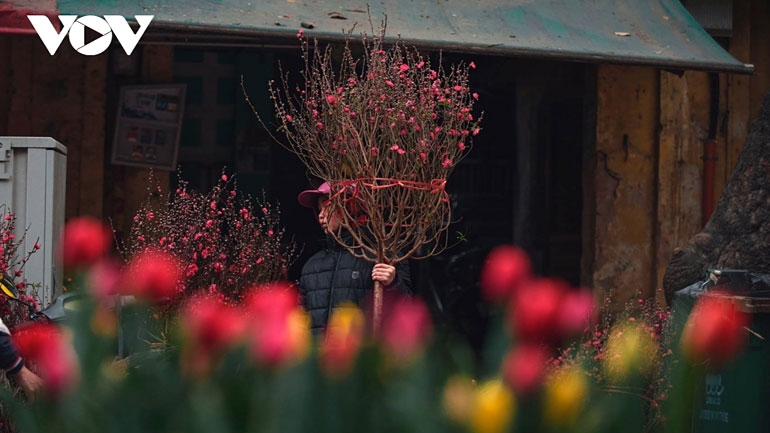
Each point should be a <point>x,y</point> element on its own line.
<point>737,397</point>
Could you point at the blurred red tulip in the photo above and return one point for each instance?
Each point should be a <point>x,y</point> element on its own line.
<point>406,328</point>
<point>576,313</point>
<point>525,366</point>
<point>46,349</point>
<point>211,324</point>
<point>505,268</point>
<point>714,330</point>
<point>343,339</point>
<point>534,311</point>
<point>84,241</point>
<point>153,275</point>
<point>104,278</point>
<point>280,333</point>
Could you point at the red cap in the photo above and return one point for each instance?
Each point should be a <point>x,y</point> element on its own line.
<point>309,198</point>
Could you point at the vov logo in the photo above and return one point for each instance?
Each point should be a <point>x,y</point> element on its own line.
<point>76,29</point>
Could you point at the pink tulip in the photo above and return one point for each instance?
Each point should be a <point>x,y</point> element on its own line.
<point>211,324</point>
<point>534,311</point>
<point>44,347</point>
<point>406,328</point>
<point>274,340</point>
<point>524,367</point>
<point>577,313</point>
<point>153,275</point>
<point>505,268</point>
<point>84,241</point>
<point>104,278</point>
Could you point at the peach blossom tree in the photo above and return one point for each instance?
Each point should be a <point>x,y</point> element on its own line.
<point>386,129</point>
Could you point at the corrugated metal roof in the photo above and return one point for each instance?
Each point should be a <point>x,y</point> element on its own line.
<point>13,14</point>
<point>646,32</point>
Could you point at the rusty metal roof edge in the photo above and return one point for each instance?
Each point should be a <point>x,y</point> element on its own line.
<point>289,35</point>
<point>651,32</point>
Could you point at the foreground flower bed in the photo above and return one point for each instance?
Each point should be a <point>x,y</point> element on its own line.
<point>214,365</point>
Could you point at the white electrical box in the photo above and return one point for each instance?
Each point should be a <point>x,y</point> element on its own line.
<point>33,177</point>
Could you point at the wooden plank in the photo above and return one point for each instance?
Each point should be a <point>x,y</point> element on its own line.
<point>738,86</point>
<point>720,166</point>
<point>760,47</point>
<point>57,98</point>
<point>5,83</point>
<point>684,125</point>
<point>626,137</point>
<point>20,111</point>
<point>157,62</point>
<point>91,196</point>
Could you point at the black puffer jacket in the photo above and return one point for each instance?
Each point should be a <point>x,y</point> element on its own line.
<point>333,275</point>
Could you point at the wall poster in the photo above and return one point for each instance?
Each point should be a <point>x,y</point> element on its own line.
<point>148,126</point>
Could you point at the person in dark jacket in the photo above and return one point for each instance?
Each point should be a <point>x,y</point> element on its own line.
<point>333,275</point>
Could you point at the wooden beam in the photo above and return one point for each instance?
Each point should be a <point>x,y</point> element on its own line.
<point>738,87</point>
<point>5,83</point>
<point>760,47</point>
<point>132,191</point>
<point>625,163</point>
<point>20,110</point>
<point>684,126</point>
<point>91,194</point>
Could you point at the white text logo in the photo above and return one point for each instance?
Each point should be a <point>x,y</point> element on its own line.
<point>76,29</point>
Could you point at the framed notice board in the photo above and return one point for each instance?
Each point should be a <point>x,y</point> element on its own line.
<point>148,126</point>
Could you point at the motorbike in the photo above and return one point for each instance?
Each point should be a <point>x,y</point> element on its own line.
<point>57,312</point>
<point>60,312</point>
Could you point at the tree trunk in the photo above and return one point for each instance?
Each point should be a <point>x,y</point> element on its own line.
<point>737,236</point>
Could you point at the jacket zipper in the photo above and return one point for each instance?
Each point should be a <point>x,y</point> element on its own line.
<point>331,290</point>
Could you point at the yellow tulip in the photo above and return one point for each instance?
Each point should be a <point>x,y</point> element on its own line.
<point>630,351</point>
<point>343,339</point>
<point>494,407</point>
<point>299,333</point>
<point>458,398</point>
<point>565,394</point>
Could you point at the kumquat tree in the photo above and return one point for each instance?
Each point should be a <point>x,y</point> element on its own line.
<point>386,130</point>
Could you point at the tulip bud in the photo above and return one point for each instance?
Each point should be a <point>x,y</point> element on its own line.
<point>534,311</point>
<point>506,266</point>
<point>406,329</point>
<point>715,330</point>
<point>576,313</point>
<point>45,346</point>
<point>565,394</point>
<point>344,335</point>
<point>630,352</point>
<point>280,329</point>
<point>103,278</point>
<point>524,367</point>
<point>494,407</point>
<point>210,324</point>
<point>84,241</point>
<point>457,400</point>
<point>153,275</point>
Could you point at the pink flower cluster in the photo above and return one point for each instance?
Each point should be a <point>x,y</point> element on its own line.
<point>393,103</point>
<point>222,242</point>
<point>12,262</point>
